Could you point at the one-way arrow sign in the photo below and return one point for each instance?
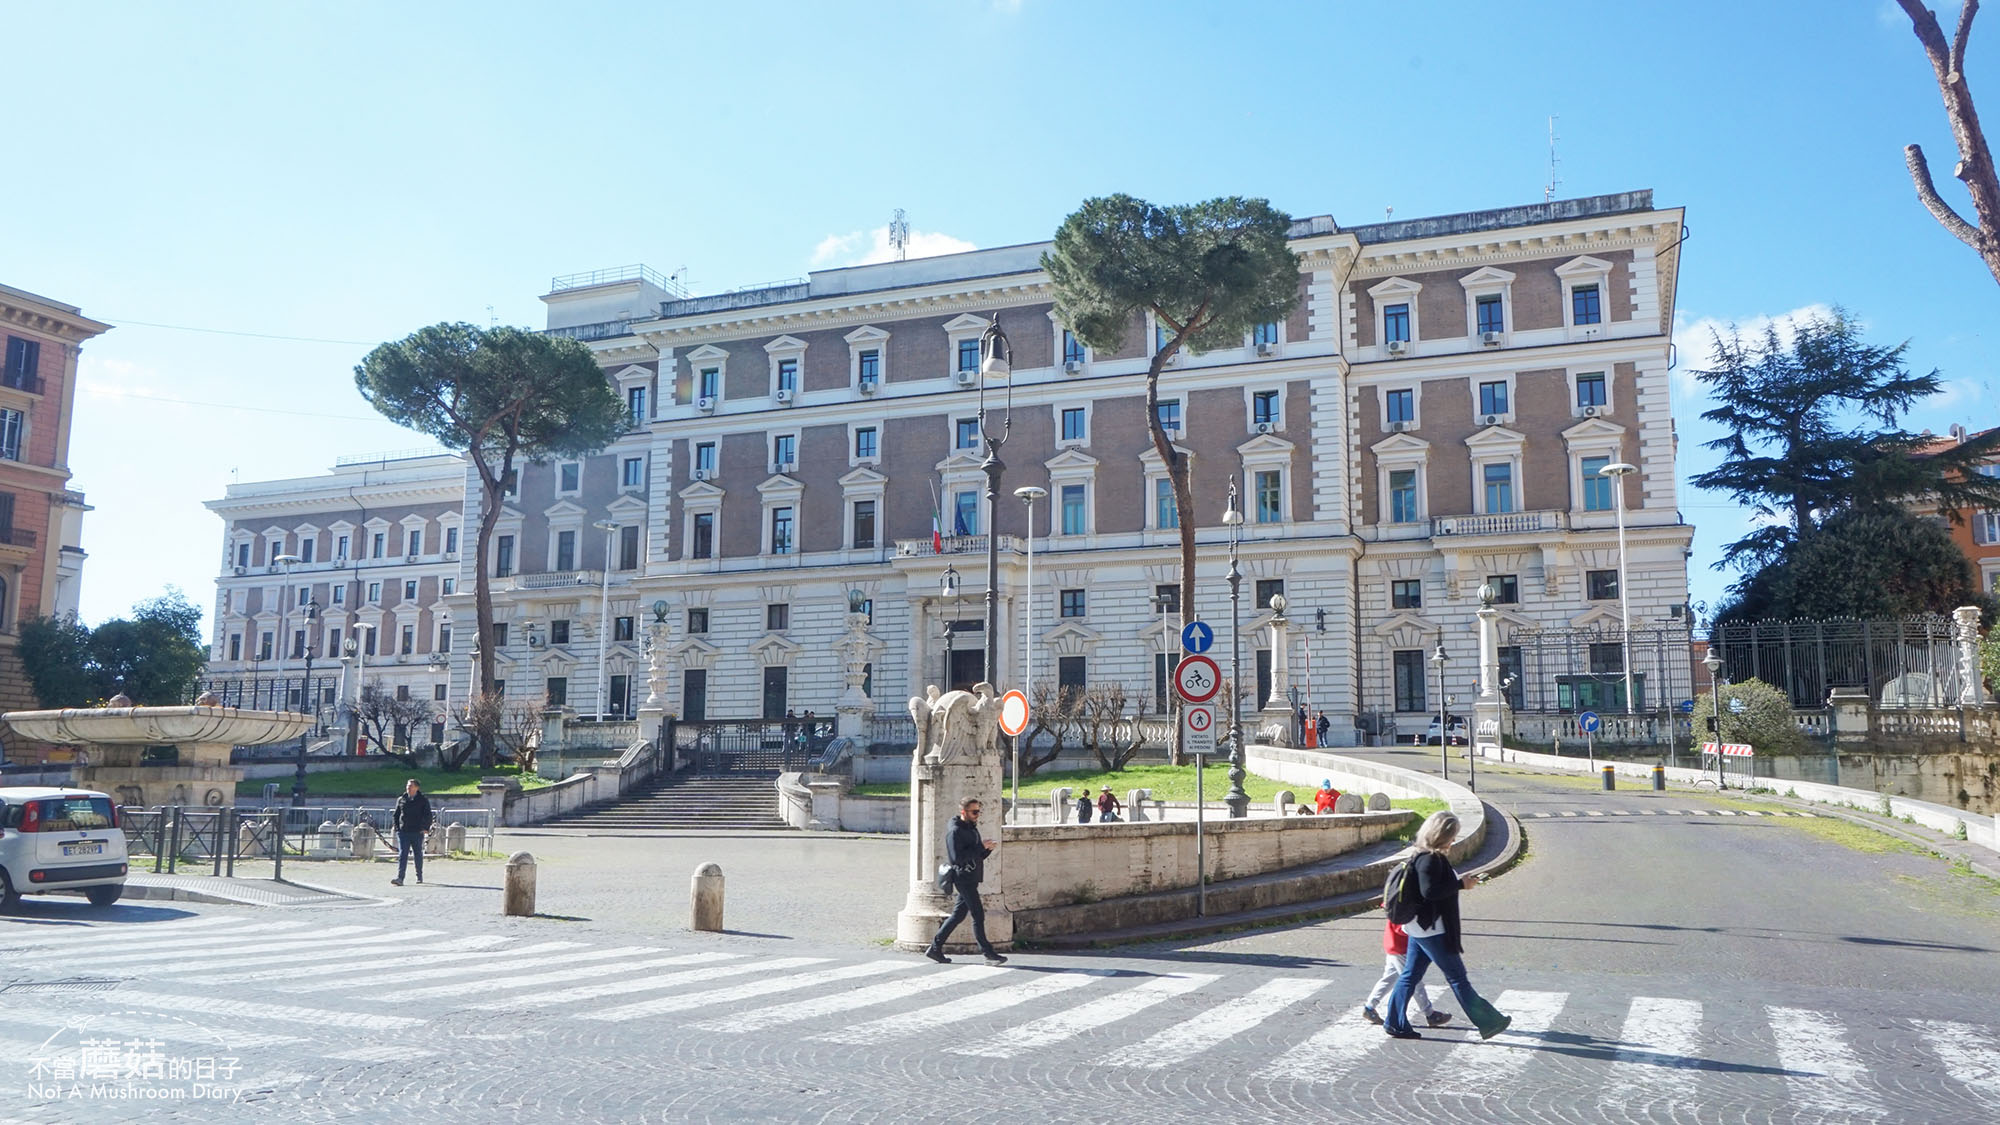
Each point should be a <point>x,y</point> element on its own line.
<point>1196,636</point>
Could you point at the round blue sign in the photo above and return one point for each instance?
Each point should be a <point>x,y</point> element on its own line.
<point>1687,706</point>
<point>1589,723</point>
<point>1196,637</point>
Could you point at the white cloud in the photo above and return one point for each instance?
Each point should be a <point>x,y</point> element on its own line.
<point>114,379</point>
<point>1694,340</point>
<point>866,247</point>
<point>1957,395</point>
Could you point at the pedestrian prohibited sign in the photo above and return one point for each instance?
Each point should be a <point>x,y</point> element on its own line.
<point>1197,679</point>
<point>1013,713</point>
<point>1198,728</point>
<point>1196,636</point>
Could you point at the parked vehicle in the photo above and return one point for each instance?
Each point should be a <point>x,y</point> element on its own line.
<point>54,840</point>
<point>1456,727</point>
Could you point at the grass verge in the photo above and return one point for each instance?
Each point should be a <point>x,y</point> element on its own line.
<point>387,781</point>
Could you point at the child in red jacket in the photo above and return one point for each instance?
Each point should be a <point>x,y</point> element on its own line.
<point>1396,944</point>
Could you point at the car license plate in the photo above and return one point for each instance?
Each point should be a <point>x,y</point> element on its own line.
<point>83,849</point>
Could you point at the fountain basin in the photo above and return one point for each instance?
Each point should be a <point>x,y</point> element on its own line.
<point>115,740</point>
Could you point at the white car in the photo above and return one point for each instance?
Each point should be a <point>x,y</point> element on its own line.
<point>60,840</point>
<point>1456,731</point>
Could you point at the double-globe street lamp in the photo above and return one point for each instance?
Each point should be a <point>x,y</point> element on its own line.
<point>996,361</point>
<point>1237,800</point>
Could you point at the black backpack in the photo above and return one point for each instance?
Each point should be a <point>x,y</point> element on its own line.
<point>1399,893</point>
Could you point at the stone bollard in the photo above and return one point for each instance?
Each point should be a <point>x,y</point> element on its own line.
<point>434,840</point>
<point>364,841</point>
<point>1659,779</point>
<point>329,837</point>
<point>454,838</point>
<point>1283,802</point>
<point>1610,778</point>
<point>518,897</point>
<point>1060,798</point>
<point>705,898</point>
<point>1349,803</point>
<point>1135,802</point>
<point>1378,802</point>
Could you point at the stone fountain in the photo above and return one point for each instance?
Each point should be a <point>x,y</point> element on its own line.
<point>113,742</point>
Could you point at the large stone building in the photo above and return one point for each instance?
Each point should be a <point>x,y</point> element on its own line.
<point>1977,533</point>
<point>41,519</point>
<point>1433,417</point>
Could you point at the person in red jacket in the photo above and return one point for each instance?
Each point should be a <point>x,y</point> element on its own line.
<point>1325,799</point>
<point>1397,945</point>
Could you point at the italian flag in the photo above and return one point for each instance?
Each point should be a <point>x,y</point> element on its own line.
<point>937,524</point>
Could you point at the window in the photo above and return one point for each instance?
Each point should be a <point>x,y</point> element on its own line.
<point>1264,408</point>
<point>445,586</point>
<point>1493,397</point>
<point>378,545</point>
<point>11,424</point>
<point>1270,489</point>
<point>1607,658</point>
<point>374,591</point>
<point>1265,335</point>
<point>243,554</point>
<point>235,646</point>
<point>1506,588</point>
<point>437,692</point>
<point>788,375</point>
<point>450,541</point>
<point>1072,602</point>
<point>1590,389</point>
<point>1399,406</point>
<point>966,434</point>
<point>559,632</point>
<point>1268,588</point>
<point>869,365</point>
<point>777,617</point>
<point>1170,415</point>
<point>704,535</point>
<point>499,634</point>
<point>698,620</point>
<point>569,476</point>
<point>1075,424</point>
<point>628,547</point>
<point>621,628</point>
<point>305,594</point>
<point>1600,585</point>
<point>968,354</point>
<point>709,383</point>
<point>24,359</point>
<point>1986,528</point>
<point>864,523</point>
<point>558,689</point>
<point>781,530</point>
<point>635,404</point>
<point>1166,598</point>
<point>965,513</point>
<point>306,546</point>
<point>865,447</point>
<point>1498,480</point>
<point>368,641</point>
<point>1161,337</point>
<point>1406,593</point>
<point>409,589</point>
<point>444,638</point>
<point>409,640</point>
<point>704,458</point>
<point>1409,663</point>
<point>1075,513</point>
<point>264,646</point>
<point>298,643</point>
<point>1596,486</point>
<point>1072,348</point>
<point>503,556</point>
<point>565,550</point>
<point>1165,514</point>
<point>340,593</point>
<point>1396,323</point>
<point>775,688</point>
<point>1070,674</point>
<point>632,472</point>
<point>499,688</point>
<point>1491,314</point>
<point>1584,306</point>
<point>694,693</point>
<point>1403,496</point>
<point>784,450</point>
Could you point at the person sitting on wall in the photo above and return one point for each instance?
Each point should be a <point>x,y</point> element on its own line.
<point>1323,801</point>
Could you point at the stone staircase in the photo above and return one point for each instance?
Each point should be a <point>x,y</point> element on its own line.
<point>733,802</point>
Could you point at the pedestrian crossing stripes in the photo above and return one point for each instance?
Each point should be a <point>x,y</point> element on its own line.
<point>376,992</point>
<point>1557,815</point>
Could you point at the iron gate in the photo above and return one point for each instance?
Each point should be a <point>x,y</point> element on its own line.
<point>753,746</point>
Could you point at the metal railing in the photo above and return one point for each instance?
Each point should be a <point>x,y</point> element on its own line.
<point>17,536</point>
<point>1901,662</point>
<point>636,272</point>
<point>954,545</point>
<point>754,745</point>
<point>394,455</point>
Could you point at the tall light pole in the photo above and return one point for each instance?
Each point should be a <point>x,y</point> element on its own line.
<point>1617,474</point>
<point>1438,661</point>
<point>996,361</point>
<point>948,593</point>
<point>284,607</point>
<point>1713,663</point>
<point>1237,800</point>
<point>1028,493</point>
<point>307,704</point>
<point>609,528</point>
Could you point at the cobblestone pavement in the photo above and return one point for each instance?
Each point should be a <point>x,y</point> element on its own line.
<point>1659,969</point>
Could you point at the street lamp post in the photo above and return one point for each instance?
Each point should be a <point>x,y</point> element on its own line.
<point>609,528</point>
<point>1713,663</point>
<point>948,592</point>
<point>1438,661</point>
<point>1028,493</point>
<point>284,607</point>
<point>307,704</point>
<point>1617,473</point>
<point>1237,800</point>
<point>996,361</point>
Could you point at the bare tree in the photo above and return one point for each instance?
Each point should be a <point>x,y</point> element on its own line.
<point>1109,730</point>
<point>512,728</point>
<point>1055,712</point>
<point>1975,159</point>
<point>388,719</point>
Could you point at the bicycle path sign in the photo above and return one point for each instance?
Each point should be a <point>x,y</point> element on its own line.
<point>1197,679</point>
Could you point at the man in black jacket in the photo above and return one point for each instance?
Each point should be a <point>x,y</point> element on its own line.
<point>411,820</point>
<point>966,852</point>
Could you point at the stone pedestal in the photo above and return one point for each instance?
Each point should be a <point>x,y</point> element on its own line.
<point>1489,710</point>
<point>1965,627</point>
<point>957,756</point>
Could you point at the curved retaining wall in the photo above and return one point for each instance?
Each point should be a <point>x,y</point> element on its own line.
<point>1307,768</point>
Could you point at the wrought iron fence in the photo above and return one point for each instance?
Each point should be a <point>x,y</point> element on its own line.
<point>1900,662</point>
<point>1566,671</point>
<point>174,835</point>
<point>273,693</point>
<point>177,835</point>
<point>754,745</point>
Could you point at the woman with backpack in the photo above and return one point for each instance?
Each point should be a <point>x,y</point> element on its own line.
<point>1434,933</point>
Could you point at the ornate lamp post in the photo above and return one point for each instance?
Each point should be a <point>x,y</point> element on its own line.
<point>307,704</point>
<point>1617,474</point>
<point>996,361</point>
<point>948,593</point>
<point>1237,800</point>
<point>284,607</point>
<point>609,528</point>
<point>1028,494</point>
<point>1438,661</point>
<point>1713,663</point>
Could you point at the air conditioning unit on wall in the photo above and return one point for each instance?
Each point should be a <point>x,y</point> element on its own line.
<point>1266,349</point>
<point>785,396</point>
<point>965,378</point>
<point>705,404</point>
<point>1492,419</point>
<point>1264,427</point>
<point>1072,367</point>
<point>1398,347</point>
<point>868,386</point>
<point>1592,411</point>
<point>702,474</point>
<point>1400,427</point>
<point>1490,339</point>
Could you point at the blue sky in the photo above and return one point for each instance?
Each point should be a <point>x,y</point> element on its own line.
<point>344,174</point>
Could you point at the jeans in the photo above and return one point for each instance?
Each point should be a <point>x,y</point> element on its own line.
<point>409,844</point>
<point>1423,951</point>
<point>1392,971</point>
<point>968,903</point>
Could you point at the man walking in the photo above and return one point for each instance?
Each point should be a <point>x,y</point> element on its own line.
<point>411,820</point>
<point>966,852</point>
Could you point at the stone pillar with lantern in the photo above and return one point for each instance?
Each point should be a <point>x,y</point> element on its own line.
<point>1279,714</point>
<point>855,705</point>
<point>1489,708</point>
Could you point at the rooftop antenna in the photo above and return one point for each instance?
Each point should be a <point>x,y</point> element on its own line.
<point>899,234</point>
<point>491,320</point>
<point>1549,189</point>
<point>1388,213</point>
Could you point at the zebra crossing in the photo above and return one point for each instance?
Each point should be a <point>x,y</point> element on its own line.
<point>180,981</point>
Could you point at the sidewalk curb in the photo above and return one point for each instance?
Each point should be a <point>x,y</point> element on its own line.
<point>174,892</point>
<point>1934,843</point>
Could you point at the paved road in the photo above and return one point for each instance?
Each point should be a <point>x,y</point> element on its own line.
<point>1664,968</point>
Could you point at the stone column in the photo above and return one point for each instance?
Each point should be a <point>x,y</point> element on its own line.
<point>655,707</point>
<point>854,706</point>
<point>957,756</point>
<point>1965,623</point>
<point>1278,713</point>
<point>1489,711</point>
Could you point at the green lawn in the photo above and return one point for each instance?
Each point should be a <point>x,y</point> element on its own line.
<point>387,781</point>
